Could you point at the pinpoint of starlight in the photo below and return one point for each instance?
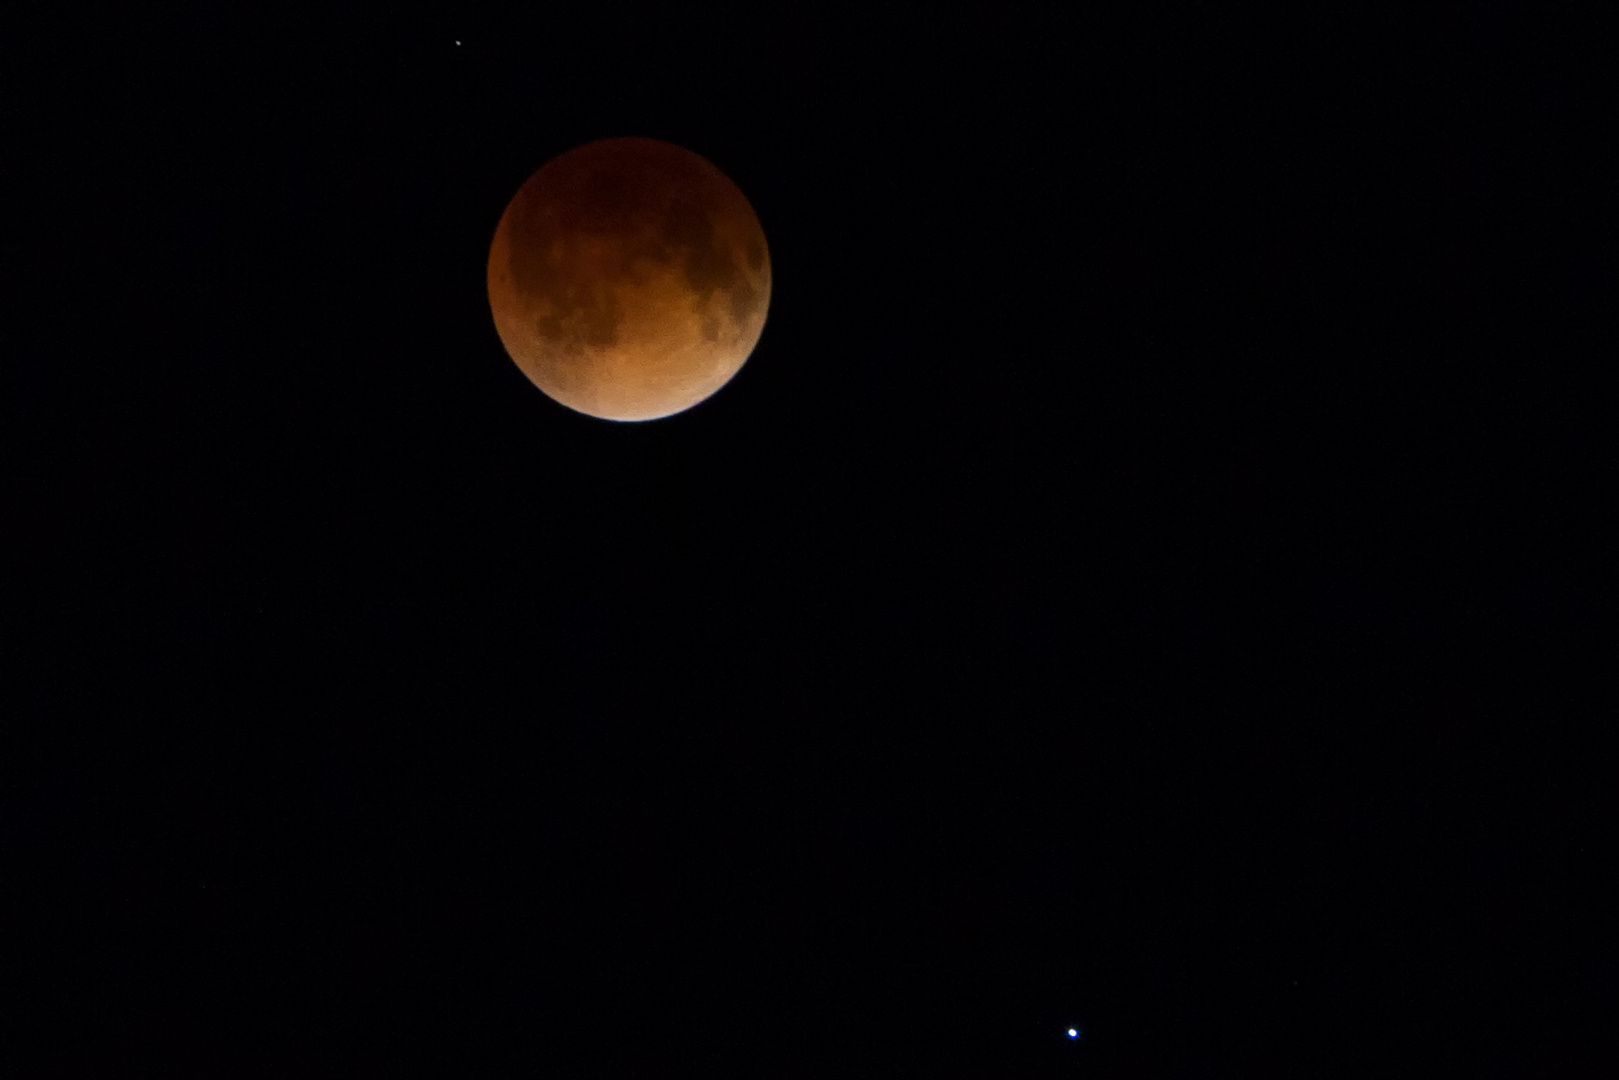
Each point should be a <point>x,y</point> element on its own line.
<point>1073,1033</point>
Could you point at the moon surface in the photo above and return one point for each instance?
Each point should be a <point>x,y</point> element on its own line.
<point>629,279</point>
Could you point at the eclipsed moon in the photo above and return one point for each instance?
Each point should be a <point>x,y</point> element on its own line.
<point>629,279</point>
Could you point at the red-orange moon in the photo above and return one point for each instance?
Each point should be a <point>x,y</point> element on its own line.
<point>629,279</point>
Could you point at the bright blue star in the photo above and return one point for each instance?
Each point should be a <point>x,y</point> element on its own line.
<point>1073,1033</point>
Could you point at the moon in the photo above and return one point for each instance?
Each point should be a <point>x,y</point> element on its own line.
<point>629,279</point>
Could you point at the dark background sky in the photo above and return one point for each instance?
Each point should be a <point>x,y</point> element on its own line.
<point>1137,582</point>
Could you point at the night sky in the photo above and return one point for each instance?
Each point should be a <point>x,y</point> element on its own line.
<point>1138,583</point>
